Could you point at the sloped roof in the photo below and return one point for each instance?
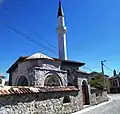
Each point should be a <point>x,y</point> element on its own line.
<point>83,72</point>
<point>15,64</point>
<point>42,56</point>
<point>70,62</point>
<point>18,90</point>
<point>24,58</point>
<point>116,76</point>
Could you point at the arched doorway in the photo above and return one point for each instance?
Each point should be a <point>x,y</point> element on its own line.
<point>52,80</point>
<point>85,93</point>
<point>22,81</point>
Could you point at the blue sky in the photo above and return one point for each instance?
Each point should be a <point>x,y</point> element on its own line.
<point>93,30</point>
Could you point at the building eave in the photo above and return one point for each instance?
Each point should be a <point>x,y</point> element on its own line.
<point>70,62</point>
<point>15,64</point>
<point>79,71</point>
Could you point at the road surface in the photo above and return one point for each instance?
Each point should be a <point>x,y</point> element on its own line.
<point>112,107</point>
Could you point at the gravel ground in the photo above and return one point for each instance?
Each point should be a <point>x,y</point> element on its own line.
<point>111,108</point>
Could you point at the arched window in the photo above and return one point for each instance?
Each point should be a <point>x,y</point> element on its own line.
<point>22,81</point>
<point>52,80</point>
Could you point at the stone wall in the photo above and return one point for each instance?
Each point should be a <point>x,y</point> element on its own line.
<point>42,103</point>
<point>47,102</point>
<point>41,75</point>
<point>35,72</point>
<point>97,97</point>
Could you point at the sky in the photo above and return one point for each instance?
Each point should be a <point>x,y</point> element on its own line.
<point>93,31</point>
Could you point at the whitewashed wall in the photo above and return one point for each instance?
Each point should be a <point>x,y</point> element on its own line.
<point>14,75</point>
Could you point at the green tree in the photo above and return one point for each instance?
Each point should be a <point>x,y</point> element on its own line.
<point>97,80</point>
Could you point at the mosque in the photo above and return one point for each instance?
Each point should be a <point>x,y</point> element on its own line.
<point>40,70</point>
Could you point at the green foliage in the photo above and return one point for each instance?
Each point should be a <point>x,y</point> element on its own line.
<point>98,81</point>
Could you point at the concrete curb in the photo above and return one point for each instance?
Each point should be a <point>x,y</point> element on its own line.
<point>93,107</point>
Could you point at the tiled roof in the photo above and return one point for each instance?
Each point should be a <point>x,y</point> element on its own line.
<point>13,90</point>
<point>113,77</point>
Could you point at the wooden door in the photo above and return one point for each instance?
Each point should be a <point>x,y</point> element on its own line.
<point>84,95</point>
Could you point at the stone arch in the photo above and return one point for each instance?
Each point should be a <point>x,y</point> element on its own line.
<point>85,93</point>
<point>52,79</point>
<point>22,81</point>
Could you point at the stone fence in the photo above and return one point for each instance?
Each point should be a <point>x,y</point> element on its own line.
<point>44,100</point>
<point>98,96</point>
<point>60,101</point>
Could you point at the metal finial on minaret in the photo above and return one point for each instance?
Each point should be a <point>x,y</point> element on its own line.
<point>60,10</point>
<point>61,30</point>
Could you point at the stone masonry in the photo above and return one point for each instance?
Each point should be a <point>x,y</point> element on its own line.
<point>50,103</point>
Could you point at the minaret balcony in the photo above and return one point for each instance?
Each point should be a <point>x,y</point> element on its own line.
<point>61,30</point>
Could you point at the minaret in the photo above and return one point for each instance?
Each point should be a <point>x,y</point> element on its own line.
<point>61,31</point>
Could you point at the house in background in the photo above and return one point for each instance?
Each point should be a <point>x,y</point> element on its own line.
<point>2,80</point>
<point>114,83</point>
<point>107,83</point>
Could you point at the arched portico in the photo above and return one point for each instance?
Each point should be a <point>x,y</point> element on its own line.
<point>52,80</point>
<point>85,93</point>
<point>22,81</point>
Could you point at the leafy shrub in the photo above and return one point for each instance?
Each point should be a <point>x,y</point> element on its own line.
<point>98,81</point>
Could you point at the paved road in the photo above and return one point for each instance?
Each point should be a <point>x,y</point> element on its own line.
<point>111,108</point>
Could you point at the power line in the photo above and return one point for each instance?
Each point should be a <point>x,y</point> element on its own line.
<point>18,1</point>
<point>42,22</point>
<point>88,68</point>
<point>108,68</point>
<point>40,37</point>
<point>27,37</point>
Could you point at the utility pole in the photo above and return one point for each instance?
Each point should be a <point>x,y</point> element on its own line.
<point>102,64</point>
<point>102,67</point>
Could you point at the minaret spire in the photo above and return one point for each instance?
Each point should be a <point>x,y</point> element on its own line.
<point>60,10</point>
<point>61,31</point>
